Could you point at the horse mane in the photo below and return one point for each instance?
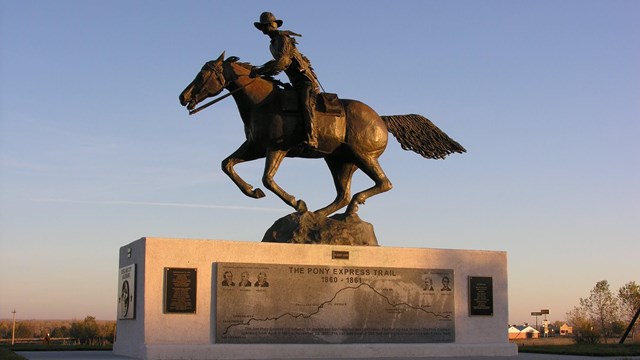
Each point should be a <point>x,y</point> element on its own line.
<point>248,66</point>
<point>234,59</point>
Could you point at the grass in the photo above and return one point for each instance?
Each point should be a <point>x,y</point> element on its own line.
<point>7,354</point>
<point>55,347</point>
<point>584,349</point>
<point>567,347</point>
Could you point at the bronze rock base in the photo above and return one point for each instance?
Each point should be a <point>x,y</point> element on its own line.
<point>310,228</point>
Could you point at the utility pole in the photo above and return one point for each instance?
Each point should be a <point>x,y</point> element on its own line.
<point>13,332</point>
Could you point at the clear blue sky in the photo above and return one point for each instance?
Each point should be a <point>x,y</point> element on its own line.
<point>96,152</point>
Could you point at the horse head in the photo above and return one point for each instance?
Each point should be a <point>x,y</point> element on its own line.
<point>209,82</point>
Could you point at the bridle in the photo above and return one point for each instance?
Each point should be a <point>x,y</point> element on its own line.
<point>222,81</point>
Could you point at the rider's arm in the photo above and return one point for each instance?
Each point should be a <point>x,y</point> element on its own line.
<point>282,51</point>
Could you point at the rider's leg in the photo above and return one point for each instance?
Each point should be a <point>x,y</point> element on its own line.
<point>308,102</point>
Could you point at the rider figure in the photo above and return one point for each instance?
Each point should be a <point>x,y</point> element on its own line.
<point>287,58</point>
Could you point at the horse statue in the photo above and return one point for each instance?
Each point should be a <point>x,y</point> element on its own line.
<point>349,138</point>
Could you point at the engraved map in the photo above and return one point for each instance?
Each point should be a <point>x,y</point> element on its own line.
<point>264,303</point>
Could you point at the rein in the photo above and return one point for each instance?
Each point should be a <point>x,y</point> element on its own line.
<point>191,112</point>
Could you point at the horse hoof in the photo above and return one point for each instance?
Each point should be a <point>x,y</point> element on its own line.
<point>258,193</point>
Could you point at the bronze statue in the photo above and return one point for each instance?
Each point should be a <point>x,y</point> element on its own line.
<point>298,68</point>
<point>351,135</point>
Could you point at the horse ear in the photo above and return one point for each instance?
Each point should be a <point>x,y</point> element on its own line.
<point>221,57</point>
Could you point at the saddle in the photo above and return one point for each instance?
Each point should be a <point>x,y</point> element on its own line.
<point>329,117</point>
<point>326,103</point>
<point>329,103</point>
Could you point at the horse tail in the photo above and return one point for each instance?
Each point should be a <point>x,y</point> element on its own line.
<point>417,133</point>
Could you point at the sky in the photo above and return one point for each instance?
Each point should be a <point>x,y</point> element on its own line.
<point>96,152</point>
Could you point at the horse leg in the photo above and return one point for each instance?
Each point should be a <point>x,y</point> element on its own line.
<point>274,159</point>
<point>370,166</point>
<point>242,154</point>
<point>342,173</point>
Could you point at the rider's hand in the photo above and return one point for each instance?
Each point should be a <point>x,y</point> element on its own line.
<point>255,71</point>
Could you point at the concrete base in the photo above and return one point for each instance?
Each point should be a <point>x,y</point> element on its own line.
<point>154,334</point>
<point>328,351</point>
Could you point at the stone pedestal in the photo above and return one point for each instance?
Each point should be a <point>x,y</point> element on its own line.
<point>181,301</point>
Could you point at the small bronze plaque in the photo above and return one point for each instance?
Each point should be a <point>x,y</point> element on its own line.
<point>480,296</point>
<point>180,290</point>
<point>342,255</point>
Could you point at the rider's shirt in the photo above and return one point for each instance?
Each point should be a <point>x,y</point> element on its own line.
<point>287,58</point>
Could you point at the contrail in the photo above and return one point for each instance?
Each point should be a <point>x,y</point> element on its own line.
<point>148,203</point>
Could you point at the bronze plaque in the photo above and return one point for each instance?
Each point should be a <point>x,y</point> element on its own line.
<point>265,303</point>
<point>480,296</point>
<point>127,288</point>
<point>180,290</point>
<point>342,255</point>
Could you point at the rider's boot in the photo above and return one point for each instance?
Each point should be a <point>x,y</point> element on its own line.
<point>312,133</point>
<point>312,140</point>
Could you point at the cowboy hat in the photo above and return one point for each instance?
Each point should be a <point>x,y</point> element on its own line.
<point>267,18</point>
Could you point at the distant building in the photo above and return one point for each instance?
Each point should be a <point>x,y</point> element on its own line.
<point>523,332</point>
<point>566,329</point>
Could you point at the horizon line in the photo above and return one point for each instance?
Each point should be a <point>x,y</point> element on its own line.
<point>150,203</point>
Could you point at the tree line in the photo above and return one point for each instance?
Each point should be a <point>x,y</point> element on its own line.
<point>87,331</point>
<point>605,314</point>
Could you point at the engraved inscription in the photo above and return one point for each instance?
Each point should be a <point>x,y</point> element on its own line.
<point>480,295</point>
<point>180,290</point>
<point>335,304</point>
